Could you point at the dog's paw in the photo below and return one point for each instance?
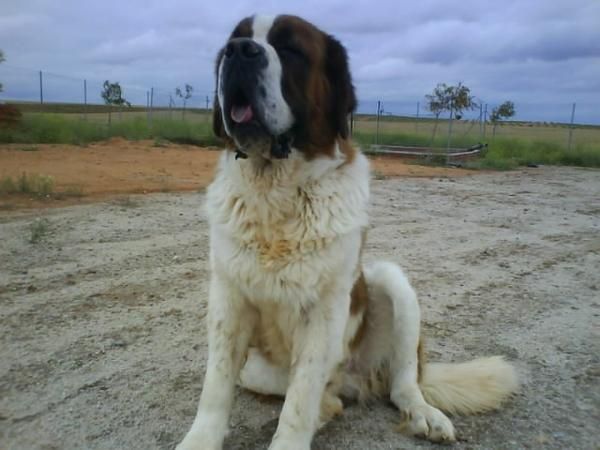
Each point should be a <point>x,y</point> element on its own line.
<point>428,422</point>
<point>195,441</point>
<point>282,444</point>
<point>331,406</point>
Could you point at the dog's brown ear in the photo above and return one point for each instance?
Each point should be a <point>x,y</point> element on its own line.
<point>343,98</point>
<point>217,120</point>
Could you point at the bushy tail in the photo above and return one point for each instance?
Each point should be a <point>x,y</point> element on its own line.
<point>469,388</point>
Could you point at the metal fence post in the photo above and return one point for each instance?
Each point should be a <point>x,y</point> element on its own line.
<point>151,103</point>
<point>571,127</point>
<point>41,90</point>
<point>84,99</point>
<point>480,121</point>
<point>449,135</point>
<point>417,122</point>
<point>377,122</point>
<point>484,120</point>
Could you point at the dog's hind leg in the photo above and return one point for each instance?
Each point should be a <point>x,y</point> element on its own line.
<point>262,376</point>
<point>388,284</point>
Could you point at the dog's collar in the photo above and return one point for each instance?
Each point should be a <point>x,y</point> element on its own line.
<point>280,148</point>
<point>239,153</point>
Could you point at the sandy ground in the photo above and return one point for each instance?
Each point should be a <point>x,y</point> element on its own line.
<point>102,336</point>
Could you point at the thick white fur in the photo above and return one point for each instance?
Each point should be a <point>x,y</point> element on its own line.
<point>285,243</point>
<point>471,387</point>
<point>285,239</point>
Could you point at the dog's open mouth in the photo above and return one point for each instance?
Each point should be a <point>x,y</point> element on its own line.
<point>241,113</point>
<point>241,109</point>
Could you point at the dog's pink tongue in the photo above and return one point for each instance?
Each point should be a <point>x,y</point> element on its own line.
<point>241,114</point>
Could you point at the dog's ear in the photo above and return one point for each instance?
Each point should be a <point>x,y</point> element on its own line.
<point>217,120</point>
<point>343,99</point>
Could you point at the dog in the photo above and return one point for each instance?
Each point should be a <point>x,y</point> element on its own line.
<point>291,310</point>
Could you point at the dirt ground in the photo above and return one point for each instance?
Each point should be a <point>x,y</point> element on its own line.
<point>102,337</point>
<point>118,166</point>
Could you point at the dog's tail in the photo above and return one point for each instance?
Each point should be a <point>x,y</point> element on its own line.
<point>466,388</point>
<point>470,387</point>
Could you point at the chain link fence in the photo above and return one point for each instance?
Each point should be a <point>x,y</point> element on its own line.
<point>41,91</point>
<point>376,123</point>
<point>384,123</point>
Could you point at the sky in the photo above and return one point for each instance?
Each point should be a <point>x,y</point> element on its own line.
<point>543,55</point>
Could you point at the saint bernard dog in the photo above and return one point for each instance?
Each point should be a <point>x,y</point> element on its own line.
<point>291,310</point>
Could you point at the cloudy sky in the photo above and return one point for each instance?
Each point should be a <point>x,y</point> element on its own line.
<point>542,54</point>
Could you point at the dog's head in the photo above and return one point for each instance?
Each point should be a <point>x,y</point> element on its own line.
<point>282,82</point>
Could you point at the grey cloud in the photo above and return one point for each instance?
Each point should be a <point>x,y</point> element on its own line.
<point>530,51</point>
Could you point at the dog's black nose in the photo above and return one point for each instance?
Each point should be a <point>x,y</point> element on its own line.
<point>245,48</point>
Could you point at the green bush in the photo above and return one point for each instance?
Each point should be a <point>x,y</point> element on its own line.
<point>39,185</point>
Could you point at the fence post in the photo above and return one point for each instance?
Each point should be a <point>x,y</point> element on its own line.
<point>377,122</point>
<point>571,127</point>
<point>480,121</point>
<point>84,99</point>
<point>449,135</point>
<point>151,103</point>
<point>417,122</point>
<point>484,120</point>
<point>41,90</point>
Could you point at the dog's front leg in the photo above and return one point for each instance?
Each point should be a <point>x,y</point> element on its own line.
<point>230,325</point>
<point>317,350</point>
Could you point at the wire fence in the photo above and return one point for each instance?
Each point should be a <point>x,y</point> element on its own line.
<point>413,124</point>
<point>376,122</point>
<point>62,93</point>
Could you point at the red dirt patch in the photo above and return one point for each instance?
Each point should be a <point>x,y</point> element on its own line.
<point>118,167</point>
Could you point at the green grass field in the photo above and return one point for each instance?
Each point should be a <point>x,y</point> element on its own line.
<point>73,128</point>
<point>512,144</point>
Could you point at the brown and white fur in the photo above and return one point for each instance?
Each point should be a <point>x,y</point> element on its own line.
<point>291,309</point>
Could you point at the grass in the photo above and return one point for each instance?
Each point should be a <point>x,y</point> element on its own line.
<point>29,148</point>
<point>38,230</point>
<point>58,129</point>
<point>38,185</point>
<point>127,202</point>
<point>504,153</point>
<point>515,143</point>
<point>41,186</point>
<point>509,153</point>
<point>73,191</point>
<point>378,175</point>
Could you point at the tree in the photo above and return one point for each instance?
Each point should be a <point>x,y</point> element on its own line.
<point>1,59</point>
<point>505,111</point>
<point>185,96</point>
<point>113,96</point>
<point>454,99</point>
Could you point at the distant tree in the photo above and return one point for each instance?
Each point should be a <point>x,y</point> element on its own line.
<point>454,99</point>
<point>113,96</point>
<point>1,59</point>
<point>184,95</point>
<point>505,111</point>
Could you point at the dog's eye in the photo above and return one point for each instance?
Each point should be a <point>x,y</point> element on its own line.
<point>290,51</point>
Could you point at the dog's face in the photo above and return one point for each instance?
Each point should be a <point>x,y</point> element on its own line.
<point>282,82</point>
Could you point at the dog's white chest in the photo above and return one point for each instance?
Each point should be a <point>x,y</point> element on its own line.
<point>285,240</point>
